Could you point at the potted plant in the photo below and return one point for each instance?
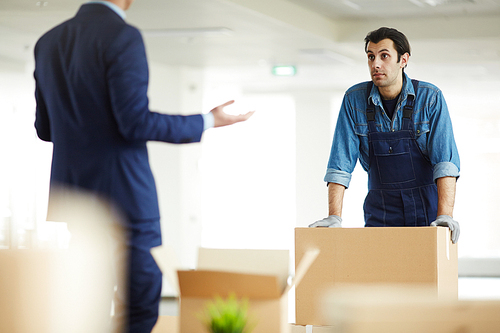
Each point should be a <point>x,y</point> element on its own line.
<point>226,316</point>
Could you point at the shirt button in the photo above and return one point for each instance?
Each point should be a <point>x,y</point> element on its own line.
<point>390,150</point>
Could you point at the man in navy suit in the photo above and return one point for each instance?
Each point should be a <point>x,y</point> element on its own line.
<point>91,76</point>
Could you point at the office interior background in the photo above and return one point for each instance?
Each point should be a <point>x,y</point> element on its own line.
<point>250,185</point>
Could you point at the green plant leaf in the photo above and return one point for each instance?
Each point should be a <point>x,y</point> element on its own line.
<point>226,316</point>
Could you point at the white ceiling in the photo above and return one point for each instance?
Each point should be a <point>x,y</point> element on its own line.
<point>459,37</point>
<point>369,9</point>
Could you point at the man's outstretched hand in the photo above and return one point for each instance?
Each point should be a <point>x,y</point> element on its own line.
<point>223,119</point>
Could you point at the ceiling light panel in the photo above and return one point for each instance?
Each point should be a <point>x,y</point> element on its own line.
<point>194,32</point>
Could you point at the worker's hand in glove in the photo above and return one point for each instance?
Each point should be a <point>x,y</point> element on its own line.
<point>332,221</point>
<point>447,221</point>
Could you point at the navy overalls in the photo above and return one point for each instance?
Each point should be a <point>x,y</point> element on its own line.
<point>401,189</point>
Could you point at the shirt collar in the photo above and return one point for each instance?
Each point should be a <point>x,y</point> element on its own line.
<point>408,86</point>
<point>405,91</point>
<point>114,7</point>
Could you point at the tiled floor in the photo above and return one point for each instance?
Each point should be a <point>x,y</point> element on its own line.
<point>169,307</point>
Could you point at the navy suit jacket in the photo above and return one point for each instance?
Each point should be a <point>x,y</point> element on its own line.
<point>91,76</point>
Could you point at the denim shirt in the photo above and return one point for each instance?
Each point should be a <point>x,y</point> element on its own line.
<point>433,130</point>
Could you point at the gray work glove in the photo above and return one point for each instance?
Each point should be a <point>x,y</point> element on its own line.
<point>332,221</point>
<point>447,221</point>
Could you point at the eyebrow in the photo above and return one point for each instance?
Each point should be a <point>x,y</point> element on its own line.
<point>383,50</point>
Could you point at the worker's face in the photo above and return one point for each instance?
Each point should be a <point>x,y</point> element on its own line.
<point>383,62</point>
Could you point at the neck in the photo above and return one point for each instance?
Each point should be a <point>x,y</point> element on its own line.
<point>120,3</point>
<point>389,95</point>
<point>391,91</point>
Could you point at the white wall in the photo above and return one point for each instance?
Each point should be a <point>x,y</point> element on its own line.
<point>312,146</point>
<point>177,90</point>
<point>248,175</point>
<point>24,161</point>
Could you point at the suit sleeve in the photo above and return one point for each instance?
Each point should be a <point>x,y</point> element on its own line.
<point>127,78</point>
<point>42,124</point>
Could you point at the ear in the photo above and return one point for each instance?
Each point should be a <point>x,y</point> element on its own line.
<point>404,60</point>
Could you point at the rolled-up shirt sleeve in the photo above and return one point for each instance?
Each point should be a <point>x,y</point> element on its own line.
<point>441,144</point>
<point>345,147</point>
<point>445,169</point>
<point>338,177</point>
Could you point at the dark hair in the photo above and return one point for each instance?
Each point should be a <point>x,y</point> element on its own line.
<point>401,44</point>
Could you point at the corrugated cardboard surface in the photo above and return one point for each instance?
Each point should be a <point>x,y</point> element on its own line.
<point>422,255</point>
<point>212,283</point>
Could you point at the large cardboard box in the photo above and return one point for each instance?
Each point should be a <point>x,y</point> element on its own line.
<point>257,275</point>
<point>64,290</point>
<point>417,256</point>
<point>390,309</point>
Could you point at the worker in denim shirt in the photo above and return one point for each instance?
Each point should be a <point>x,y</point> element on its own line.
<point>401,132</point>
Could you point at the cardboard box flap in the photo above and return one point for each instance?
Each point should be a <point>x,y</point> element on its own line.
<point>262,262</point>
<point>207,284</point>
<point>167,262</point>
<point>309,257</point>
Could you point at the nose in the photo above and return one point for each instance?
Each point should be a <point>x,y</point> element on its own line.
<point>376,63</point>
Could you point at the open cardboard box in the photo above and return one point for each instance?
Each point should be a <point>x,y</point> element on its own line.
<point>421,256</point>
<point>258,275</point>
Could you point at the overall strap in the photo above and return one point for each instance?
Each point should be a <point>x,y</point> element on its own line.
<point>370,109</point>
<point>407,109</point>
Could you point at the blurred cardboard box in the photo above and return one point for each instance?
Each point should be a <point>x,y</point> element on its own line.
<point>417,256</point>
<point>55,291</point>
<point>65,290</point>
<point>166,324</point>
<point>25,294</point>
<point>395,309</point>
<point>257,275</point>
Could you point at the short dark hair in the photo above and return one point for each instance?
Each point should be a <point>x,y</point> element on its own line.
<point>401,43</point>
